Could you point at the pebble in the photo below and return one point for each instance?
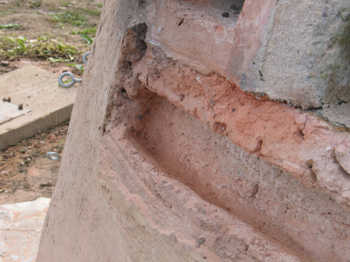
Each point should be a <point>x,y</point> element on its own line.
<point>225,14</point>
<point>53,156</point>
<point>200,241</point>
<point>4,63</point>
<point>7,99</point>
<point>4,173</point>
<point>27,160</point>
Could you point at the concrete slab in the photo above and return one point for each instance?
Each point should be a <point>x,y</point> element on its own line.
<point>20,228</point>
<point>37,90</point>
<point>9,111</point>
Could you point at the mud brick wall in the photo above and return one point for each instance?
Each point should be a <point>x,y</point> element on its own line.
<point>209,131</point>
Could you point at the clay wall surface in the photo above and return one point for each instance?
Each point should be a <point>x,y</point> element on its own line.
<point>209,131</point>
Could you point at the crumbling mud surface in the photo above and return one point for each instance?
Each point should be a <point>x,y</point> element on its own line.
<point>241,184</point>
<point>180,163</point>
<point>199,149</point>
<point>299,143</point>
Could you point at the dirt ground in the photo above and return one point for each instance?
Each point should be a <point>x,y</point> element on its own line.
<point>39,21</point>
<point>61,20</point>
<point>26,171</point>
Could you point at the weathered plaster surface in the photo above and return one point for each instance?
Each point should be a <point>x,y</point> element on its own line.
<point>168,159</point>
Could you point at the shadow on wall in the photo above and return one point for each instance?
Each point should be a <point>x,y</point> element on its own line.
<point>231,6</point>
<point>224,10</point>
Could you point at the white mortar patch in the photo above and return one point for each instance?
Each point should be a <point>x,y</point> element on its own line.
<point>20,229</point>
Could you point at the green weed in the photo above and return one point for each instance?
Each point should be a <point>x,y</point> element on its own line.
<point>34,4</point>
<point>90,31</point>
<point>77,68</point>
<point>40,48</point>
<point>8,11</point>
<point>90,12</point>
<point>11,26</point>
<point>66,4</point>
<point>87,39</point>
<point>74,18</point>
<point>19,3</point>
<point>86,34</point>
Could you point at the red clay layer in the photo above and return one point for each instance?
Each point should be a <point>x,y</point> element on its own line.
<point>136,181</point>
<point>155,183</point>
<point>295,141</point>
<point>222,174</point>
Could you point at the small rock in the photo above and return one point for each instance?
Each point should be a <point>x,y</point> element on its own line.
<point>342,155</point>
<point>53,156</point>
<point>201,241</point>
<point>46,185</point>
<point>20,107</point>
<point>7,99</point>
<point>4,173</point>
<point>4,63</point>
<point>225,14</point>
<point>27,161</point>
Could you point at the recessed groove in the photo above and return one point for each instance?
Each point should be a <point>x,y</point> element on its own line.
<point>258,125</point>
<point>224,175</point>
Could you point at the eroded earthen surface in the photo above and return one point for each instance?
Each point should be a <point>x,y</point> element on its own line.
<point>177,163</point>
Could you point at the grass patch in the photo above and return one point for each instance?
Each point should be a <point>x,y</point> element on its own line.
<point>66,3</point>
<point>77,68</point>
<point>90,12</point>
<point>19,3</point>
<point>90,31</point>
<point>86,34</point>
<point>11,27</point>
<point>35,4</point>
<point>74,18</point>
<point>8,11</point>
<point>41,48</point>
